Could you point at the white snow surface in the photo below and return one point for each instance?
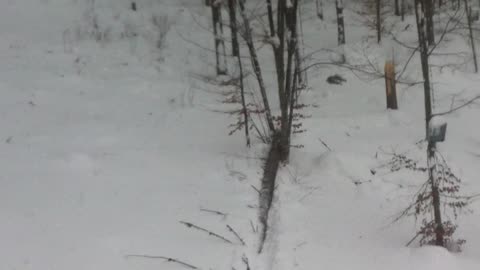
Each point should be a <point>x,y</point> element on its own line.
<point>105,146</point>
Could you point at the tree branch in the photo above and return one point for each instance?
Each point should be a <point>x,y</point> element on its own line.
<point>168,259</point>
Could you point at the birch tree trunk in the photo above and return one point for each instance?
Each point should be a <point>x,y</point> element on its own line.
<point>220,51</point>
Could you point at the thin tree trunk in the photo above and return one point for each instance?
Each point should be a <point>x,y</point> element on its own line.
<point>319,5</point>
<point>244,103</point>
<point>302,76</point>
<point>468,12</point>
<point>340,22</point>
<point>397,7</point>
<point>421,29</point>
<point>291,23</point>
<point>341,28</point>
<point>270,18</point>
<point>256,66</point>
<point>280,64</point>
<point>233,26</point>
<point>220,51</point>
<point>429,10</point>
<point>379,21</point>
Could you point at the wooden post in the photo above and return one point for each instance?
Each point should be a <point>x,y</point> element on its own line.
<point>390,85</point>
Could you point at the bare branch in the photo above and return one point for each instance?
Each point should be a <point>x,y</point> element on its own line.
<point>236,234</point>
<point>168,259</point>
<point>214,212</point>
<point>190,225</point>
<point>458,107</point>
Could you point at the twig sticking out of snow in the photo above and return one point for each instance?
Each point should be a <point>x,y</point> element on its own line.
<point>254,228</point>
<point>190,225</point>
<point>324,144</point>
<point>214,212</point>
<point>168,259</point>
<point>256,189</point>
<point>245,261</point>
<point>236,234</point>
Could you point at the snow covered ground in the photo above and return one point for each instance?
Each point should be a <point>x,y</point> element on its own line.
<point>104,151</point>
<point>105,146</point>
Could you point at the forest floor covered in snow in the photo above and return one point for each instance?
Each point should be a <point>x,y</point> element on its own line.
<point>108,145</point>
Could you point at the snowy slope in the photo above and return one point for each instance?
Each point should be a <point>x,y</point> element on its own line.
<point>105,146</point>
<point>103,150</point>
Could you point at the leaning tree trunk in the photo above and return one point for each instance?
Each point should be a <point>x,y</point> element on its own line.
<point>220,51</point>
<point>256,66</point>
<point>290,78</point>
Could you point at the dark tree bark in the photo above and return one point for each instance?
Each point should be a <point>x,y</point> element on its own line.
<point>270,18</point>
<point>233,27</point>
<point>429,11</point>
<point>397,7</point>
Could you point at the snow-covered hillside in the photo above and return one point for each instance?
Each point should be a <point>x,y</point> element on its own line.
<point>108,142</point>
